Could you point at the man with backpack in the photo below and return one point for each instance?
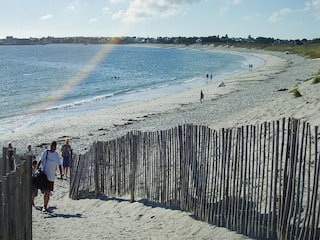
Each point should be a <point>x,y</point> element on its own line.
<point>50,159</point>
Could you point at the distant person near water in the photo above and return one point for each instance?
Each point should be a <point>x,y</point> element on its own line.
<point>201,96</point>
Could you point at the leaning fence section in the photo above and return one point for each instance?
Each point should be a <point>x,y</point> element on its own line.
<point>15,201</point>
<point>261,180</point>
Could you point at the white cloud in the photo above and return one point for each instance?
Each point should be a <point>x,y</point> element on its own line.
<point>93,20</point>
<point>251,17</point>
<point>46,17</point>
<point>71,8</point>
<point>116,1</point>
<point>147,9</point>
<point>105,10</point>
<point>236,2</point>
<point>314,6</point>
<point>228,4</point>
<point>278,15</point>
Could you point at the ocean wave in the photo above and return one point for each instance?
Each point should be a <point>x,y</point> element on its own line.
<point>193,79</point>
<point>138,90</point>
<point>81,102</point>
<point>164,85</point>
<point>15,123</point>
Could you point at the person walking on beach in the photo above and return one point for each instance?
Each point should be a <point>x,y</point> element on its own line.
<point>201,96</point>
<point>66,152</point>
<point>50,159</point>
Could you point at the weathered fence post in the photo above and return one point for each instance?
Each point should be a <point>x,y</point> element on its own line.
<point>133,164</point>
<point>96,158</point>
<point>4,162</point>
<point>28,192</point>
<point>288,181</point>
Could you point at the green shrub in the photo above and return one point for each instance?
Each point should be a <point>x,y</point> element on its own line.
<point>296,92</point>
<point>316,80</point>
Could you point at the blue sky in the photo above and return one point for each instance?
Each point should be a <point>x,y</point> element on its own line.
<point>284,19</point>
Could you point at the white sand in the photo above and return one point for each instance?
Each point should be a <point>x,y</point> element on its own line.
<point>249,98</point>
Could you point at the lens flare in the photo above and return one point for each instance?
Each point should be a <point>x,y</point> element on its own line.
<point>81,76</point>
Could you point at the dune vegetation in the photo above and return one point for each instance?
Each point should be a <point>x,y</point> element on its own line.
<point>311,50</point>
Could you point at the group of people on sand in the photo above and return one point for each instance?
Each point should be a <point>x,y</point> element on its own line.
<point>49,161</point>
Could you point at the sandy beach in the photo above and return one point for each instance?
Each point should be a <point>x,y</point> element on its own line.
<point>256,96</point>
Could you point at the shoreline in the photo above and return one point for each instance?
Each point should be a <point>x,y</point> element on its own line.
<point>249,98</point>
<point>24,126</point>
<point>37,115</point>
<point>243,93</point>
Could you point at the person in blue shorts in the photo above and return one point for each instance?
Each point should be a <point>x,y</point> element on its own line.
<point>66,152</point>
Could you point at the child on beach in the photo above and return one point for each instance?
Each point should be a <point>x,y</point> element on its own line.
<point>34,188</point>
<point>30,152</point>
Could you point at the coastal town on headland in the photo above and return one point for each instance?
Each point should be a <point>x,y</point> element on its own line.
<point>10,40</point>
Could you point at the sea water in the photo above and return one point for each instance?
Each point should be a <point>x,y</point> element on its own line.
<point>44,83</point>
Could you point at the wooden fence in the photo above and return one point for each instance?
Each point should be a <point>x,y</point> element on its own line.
<point>261,181</point>
<point>16,203</point>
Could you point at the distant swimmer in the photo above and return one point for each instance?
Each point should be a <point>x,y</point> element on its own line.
<point>222,84</point>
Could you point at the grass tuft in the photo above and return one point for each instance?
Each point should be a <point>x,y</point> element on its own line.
<point>316,80</point>
<point>296,92</point>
